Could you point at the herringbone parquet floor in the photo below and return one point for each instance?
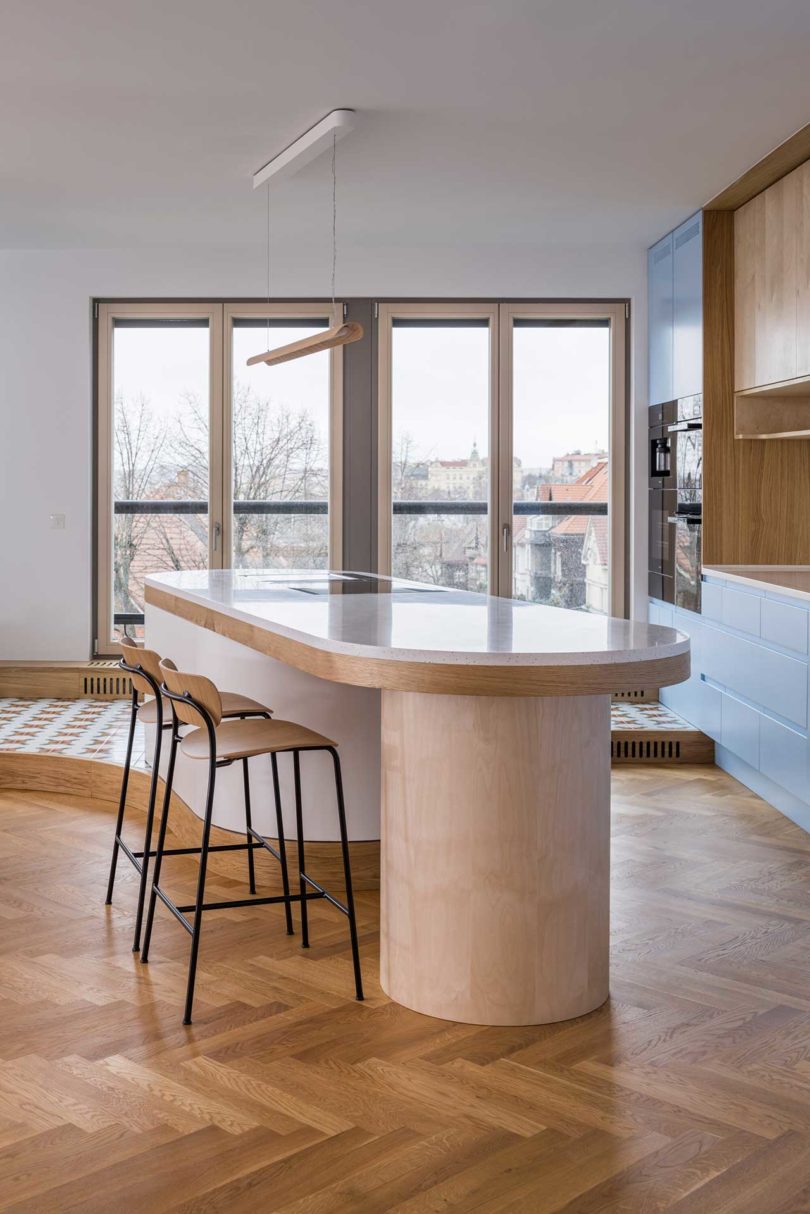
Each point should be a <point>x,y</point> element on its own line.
<point>688,1092</point>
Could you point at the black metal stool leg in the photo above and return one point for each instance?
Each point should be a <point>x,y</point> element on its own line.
<point>161,843</point>
<point>198,909</point>
<point>282,846</point>
<point>344,847</point>
<point>119,823</point>
<point>147,839</point>
<point>249,827</point>
<point>299,827</point>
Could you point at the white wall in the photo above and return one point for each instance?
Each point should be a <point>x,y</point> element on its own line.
<point>46,384</point>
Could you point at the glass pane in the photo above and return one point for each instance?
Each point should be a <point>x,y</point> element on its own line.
<point>561,424</point>
<point>280,449</point>
<point>440,429</point>
<point>160,451</point>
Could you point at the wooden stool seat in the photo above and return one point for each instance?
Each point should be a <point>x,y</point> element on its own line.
<point>233,705</point>
<point>244,739</point>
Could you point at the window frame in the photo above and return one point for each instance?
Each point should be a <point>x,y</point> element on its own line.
<point>500,316</point>
<point>219,315</point>
<point>296,310</point>
<point>446,311</point>
<point>615,314</point>
<point>108,313</point>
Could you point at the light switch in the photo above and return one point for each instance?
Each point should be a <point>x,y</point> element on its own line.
<point>57,522</point>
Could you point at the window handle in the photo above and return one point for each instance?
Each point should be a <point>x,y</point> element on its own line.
<point>506,530</point>
<point>217,535</point>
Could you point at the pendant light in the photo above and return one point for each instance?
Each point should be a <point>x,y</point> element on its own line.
<point>340,333</point>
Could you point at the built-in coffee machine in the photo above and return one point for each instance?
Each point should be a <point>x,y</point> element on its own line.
<point>676,501</point>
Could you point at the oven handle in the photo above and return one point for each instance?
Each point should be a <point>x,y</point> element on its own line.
<point>677,427</point>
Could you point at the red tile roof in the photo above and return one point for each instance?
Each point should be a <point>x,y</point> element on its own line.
<point>592,486</point>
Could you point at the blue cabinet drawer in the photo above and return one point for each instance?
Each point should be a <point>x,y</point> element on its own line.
<point>711,601</point>
<point>710,710</point>
<point>785,625</point>
<point>783,757</point>
<point>739,731</point>
<point>741,611</point>
<point>756,673</point>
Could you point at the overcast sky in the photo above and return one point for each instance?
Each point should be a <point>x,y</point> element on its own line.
<point>440,383</point>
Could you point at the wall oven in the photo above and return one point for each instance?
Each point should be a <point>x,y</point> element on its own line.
<point>676,502</point>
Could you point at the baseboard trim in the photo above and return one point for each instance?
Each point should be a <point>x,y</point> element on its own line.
<point>798,811</point>
<point>660,746</point>
<point>102,782</point>
<point>91,680</point>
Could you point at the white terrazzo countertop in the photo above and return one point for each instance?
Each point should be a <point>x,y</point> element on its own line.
<point>791,580</point>
<point>362,615</point>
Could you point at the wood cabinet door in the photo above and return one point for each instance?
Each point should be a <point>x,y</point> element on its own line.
<point>803,271</point>
<point>766,279</point>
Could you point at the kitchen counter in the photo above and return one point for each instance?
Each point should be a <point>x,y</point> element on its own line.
<point>385,632</point>
<point>790,580</point>
<point>479,726</point>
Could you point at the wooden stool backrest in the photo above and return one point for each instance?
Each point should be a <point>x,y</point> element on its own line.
<point>198,687</point>
<point>135,655</point>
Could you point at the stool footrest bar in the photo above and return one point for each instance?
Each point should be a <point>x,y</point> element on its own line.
<point>136,856</point>
<point>236,903</point>
<point>175,910</point>
<point>322,893</point>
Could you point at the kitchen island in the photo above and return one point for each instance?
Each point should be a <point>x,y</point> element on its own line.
<point>479,726</point>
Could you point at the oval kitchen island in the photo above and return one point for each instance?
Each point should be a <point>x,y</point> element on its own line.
<point>475,735</point>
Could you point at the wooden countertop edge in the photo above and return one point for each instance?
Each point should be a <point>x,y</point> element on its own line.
<point>442,678</point>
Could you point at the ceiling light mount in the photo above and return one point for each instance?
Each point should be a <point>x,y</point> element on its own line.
<point>304,149</point>
<point>341,333</point>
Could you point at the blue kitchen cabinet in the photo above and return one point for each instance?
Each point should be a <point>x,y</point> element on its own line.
<point>675,313</point>
<point>660,320</point>
<point>749,686</point>
<point>687,308</point>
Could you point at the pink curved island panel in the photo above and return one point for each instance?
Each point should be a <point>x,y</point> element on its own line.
<point>480,728</point>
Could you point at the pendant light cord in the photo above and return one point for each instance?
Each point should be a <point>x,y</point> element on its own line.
<point>268,265</point>
<point>334,222</point>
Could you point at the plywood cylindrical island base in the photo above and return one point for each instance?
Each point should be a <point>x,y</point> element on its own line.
<point>495,855</point>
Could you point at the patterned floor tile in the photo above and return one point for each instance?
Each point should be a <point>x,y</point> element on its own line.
<point>645,716</point>
<point>87,729</point>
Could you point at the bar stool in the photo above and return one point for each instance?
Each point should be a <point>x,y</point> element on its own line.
<point>143,667</point>
<point>196,701</point>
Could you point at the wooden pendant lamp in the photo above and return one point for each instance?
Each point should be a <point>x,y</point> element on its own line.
<point>338,335</point>
<point>304,149</point>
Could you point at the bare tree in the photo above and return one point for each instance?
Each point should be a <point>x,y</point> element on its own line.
<point>278,455</point>
<point>139,444</point>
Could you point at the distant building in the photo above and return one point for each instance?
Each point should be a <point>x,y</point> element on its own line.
<point>595,560</point>
<point>562,560</point>
<point>448,479</point>
<point>568,468</point>
<point>465,479</point>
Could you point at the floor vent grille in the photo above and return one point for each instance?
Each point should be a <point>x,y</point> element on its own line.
<point>104,681</point>
<point>646,750</point>
<point>640,695</point>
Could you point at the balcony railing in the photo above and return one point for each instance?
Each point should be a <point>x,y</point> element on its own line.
<point>321,506</point>
<point>400,507</point>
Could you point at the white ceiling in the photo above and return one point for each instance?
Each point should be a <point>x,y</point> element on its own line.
<point>513,122</point>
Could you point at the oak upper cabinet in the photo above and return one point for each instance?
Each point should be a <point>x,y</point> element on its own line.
<point>660,320</point>
<point>687,335</point>
<point>803,271</point>
<point>767,285</point>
